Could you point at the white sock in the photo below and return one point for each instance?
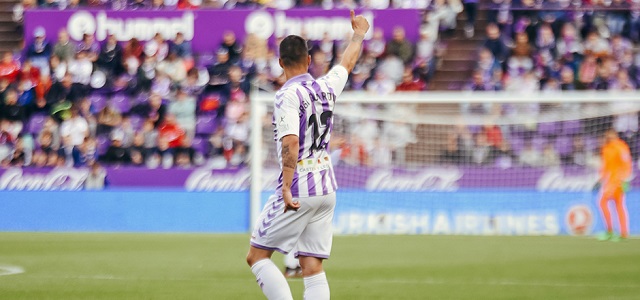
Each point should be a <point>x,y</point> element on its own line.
<point>316,287</point>
<point>271,280</point>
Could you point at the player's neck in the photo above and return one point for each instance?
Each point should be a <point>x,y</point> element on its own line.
<point>293,72</point>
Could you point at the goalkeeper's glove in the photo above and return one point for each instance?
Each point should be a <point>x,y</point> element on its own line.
<point>626,186</point>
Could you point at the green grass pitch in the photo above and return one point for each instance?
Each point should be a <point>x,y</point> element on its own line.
<point>188,266</point>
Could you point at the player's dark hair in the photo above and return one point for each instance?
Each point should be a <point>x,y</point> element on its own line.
<point>293,51</point>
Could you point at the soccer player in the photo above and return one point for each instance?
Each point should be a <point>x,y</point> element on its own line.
<point>614,176</point>
<point>301,211</point>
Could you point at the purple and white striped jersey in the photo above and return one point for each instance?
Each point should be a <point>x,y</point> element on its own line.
<point>304,107</point>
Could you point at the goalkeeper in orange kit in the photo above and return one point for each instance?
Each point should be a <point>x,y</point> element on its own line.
<point>614,182</point>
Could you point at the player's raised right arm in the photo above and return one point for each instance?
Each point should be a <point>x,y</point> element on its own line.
<point>360,27</point>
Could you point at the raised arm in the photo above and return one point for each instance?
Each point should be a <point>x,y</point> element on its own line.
<point>360,27</point>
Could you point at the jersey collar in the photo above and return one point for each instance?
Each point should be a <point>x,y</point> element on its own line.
<point>297,79</point>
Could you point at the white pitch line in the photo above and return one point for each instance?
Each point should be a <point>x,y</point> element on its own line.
<point>10,270</point>
<point>426,281</point>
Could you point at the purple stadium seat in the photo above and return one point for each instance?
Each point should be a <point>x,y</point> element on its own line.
<point>571,127</point>
<point>548,129</point>
<point>474,129</point>
<point>136,121</point>
<point>591,143</point>
<point>200,144</point>
<point>206,124</point>
<point>121,103</point>
<point>517,144</point>
<point>142,98</point>
<point>564,145</point>
<point>36,123</point>
<point>538,142</point>
<point>98,102</point>
<point>102,142</point>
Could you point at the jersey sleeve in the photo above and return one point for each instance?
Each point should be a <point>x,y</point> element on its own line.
<point>336,79</point>
<point>287,116</point>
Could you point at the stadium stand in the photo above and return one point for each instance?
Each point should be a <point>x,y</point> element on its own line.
<point>174,102</point>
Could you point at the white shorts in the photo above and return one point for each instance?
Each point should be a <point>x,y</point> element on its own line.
<point>308,229</point>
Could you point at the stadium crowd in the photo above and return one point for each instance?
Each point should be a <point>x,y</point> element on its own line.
<point>157,103</point>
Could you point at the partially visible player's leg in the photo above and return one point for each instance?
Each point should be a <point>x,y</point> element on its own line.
<point>606,214</point>
<point>314,245</point>
<point>316,286</point>
<point>292,266</point>
<point>623,215</point>
<point>268,276</point>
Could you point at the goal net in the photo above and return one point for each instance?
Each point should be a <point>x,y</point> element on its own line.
<point>461,163</point>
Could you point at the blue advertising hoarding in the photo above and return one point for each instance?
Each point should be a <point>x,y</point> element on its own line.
<point>464,212</point>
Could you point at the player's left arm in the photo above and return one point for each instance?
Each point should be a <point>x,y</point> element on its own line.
<point>287,119</point>
<point>290,146</point>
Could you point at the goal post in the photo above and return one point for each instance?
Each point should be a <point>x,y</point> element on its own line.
<point>457,143</point>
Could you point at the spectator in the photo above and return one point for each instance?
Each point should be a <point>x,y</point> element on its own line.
<point>170,131</point>
<point>184,109</point>
<point>20,156</point>
<point>481,153</point>
<point>126,131</point>
<point>596,45</point>
<point>38,106</point>
<point>138,5</point>
<point>110,57</point>
<point>471,10</point>
<point>90,46</point>
<point>174,67</point>
<point>409,83</point>
<point>452,153</point>
<point>116,154</point>
<point>495,44</point>
<point>219,72</point>
<point>181,47</point>
<point>65,152</point>
<point>46,142</point>
<point>40,50</point>
<point>192,85</point>
<point>319,64</point>
<point>84,154</point>
<point>6,141</point>
<point>64,49</point>
<point>396,136</point>
<point>158,48</point>
<point>487,65</point>
<point>230,43</point>
<point>150,134</point>
<point>131,56</point>
<point>38,159</point>
<point>97,178</point>
<point>377,44</point>
<point>381,85</point>
<point>400,46</point>
<point>153,109</point>
<point>550,157</point>
<point>81,69</point>
<point>9,68</point>
<point>530,156</point>
<point>76,127</point>
<point>137,151</point>
<point>146,74</point>
<point>184,155</point>
<point>569,42</point>
<point>12,112</point>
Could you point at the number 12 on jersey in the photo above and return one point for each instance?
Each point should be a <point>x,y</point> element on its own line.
<point>320,124</point>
